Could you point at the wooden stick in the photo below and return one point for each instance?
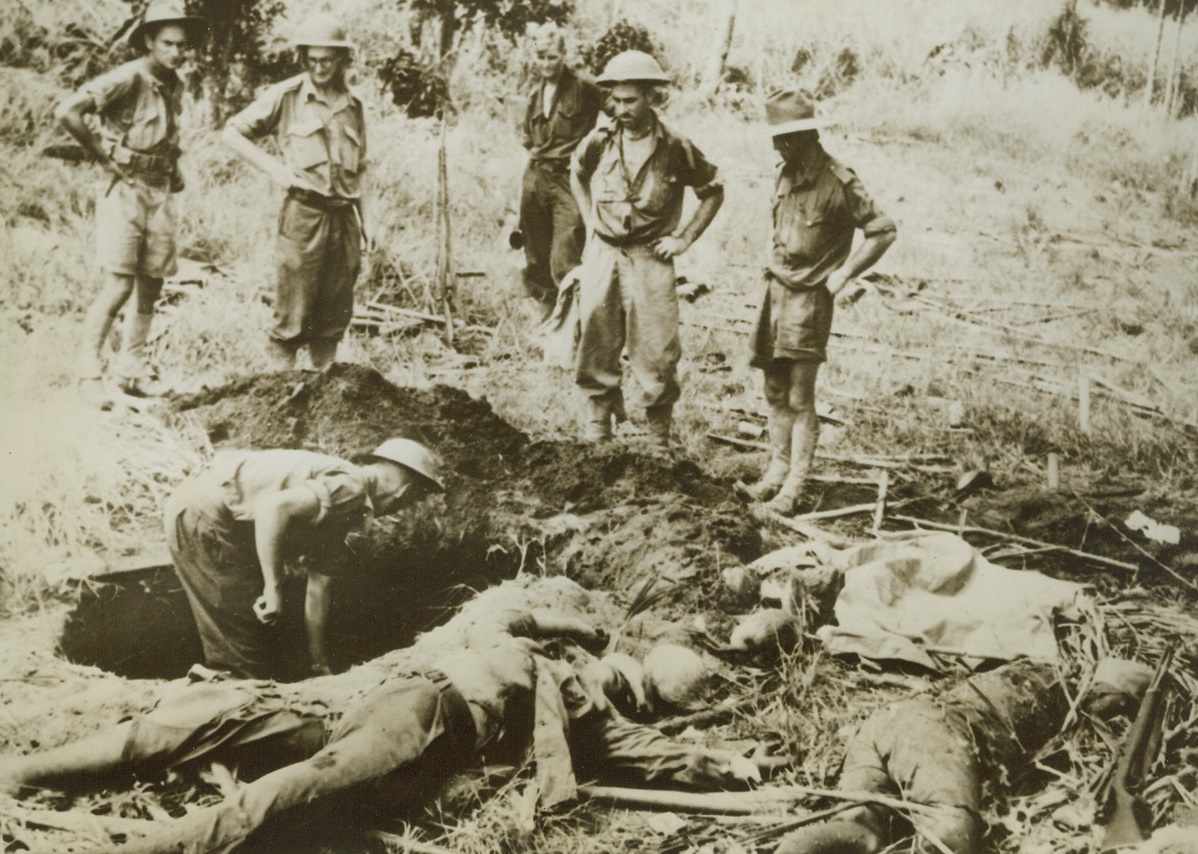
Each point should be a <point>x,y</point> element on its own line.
<point>1083,403</point>
<point>406,844</point>
<point>835,512</point>
<point>880,506</point>
<point>444,272</point>
<point>971,529</point>
<point>811,532</point>
<point>79,822</point>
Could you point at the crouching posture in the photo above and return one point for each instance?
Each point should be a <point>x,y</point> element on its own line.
<point>135,137</point>
<point>818,204</point>
<point>234,527</point>
<point>493,692</point>
<point>939,752</point>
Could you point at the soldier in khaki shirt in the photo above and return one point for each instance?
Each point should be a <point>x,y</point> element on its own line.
<point>320,128</point>
<point>818,205</point>
<point>137,143</point>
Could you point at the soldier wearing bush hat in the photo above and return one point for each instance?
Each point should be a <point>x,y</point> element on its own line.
<point>137,105</point>
<point>629,180</point>
<point>320,128</point>
<point>818,204</point>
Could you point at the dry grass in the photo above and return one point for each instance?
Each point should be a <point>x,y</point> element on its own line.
<point>994,170</point>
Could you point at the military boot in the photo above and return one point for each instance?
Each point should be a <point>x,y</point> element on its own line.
<point>135,376</point>
<point>790,494</point>
<point>781,427</point>
<point>658,422</point>
<point>598,423</point>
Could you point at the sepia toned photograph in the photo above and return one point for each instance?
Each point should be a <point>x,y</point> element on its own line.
<point>586,426</point>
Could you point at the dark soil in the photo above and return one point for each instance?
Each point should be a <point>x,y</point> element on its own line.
<point>609,516</point>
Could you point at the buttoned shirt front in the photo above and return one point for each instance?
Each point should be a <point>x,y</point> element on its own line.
<point>573,108</point>
<point>816,210</point>
<point>138,109</point>
<point>322,138</point>
<point>642,207</point>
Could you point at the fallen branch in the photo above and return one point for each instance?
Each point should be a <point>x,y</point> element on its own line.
<point>83,823</point>
<point>880,505</point>
<point>961,530</point>
<point>811,532</point>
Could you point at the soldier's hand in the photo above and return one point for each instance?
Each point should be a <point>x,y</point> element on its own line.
<point>268,607</point>
<point>837,281</point>
<point>670,247</point>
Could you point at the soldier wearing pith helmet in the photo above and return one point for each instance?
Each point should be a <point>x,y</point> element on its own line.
<point>137,106</point>
<point>818,205</point>
<point>320,128</point>
<point>629,179</point>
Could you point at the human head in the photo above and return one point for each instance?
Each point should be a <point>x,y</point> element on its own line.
<point>632,104</point>
<point>324,50</point>
<point>632,78</point>
<point>186,31</point>
<point>548,50</point>
<point>409,472</point>
<point>793,123</point>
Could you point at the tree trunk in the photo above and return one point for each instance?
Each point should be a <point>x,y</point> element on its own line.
<point>713,74</point>
<point>1173,98</point>
<point>449,27</point>
<point>1156,56</point>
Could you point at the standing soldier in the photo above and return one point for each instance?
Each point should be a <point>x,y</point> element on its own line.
<point>629,180</point>
<point>818,204</point>
<point>127,119</point>
<point>320,128</point>
<point>562,109</point>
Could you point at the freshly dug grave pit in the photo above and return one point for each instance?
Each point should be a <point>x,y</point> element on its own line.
<point>608,516</point>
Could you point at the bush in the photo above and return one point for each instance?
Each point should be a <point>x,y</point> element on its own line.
<point>417,89</point>
<point>620,37</point>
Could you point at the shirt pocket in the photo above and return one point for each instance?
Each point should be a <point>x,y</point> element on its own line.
<point>568,118</point>
<point>146,128</point>
<point>305,145</point>
<point>809,231</point>
<point>351,148</point>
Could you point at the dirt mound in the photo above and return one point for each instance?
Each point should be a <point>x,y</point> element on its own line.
<point>609,516</point>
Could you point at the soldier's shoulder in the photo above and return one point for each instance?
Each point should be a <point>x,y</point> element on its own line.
<point>842,172</point>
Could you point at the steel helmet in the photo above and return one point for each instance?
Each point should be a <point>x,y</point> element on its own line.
<point>676,676</point>
<point>160,13</point>
<point>322,30</point>
<point>632,66</point>
<point>414,456</point>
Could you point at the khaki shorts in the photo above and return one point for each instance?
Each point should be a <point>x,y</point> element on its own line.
<point>135,230</point>
<point>794,325</point>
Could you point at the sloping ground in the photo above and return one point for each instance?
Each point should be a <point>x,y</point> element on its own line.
<point>610,517</point>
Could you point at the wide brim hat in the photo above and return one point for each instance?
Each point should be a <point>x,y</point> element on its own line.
<point>161,13</point>
<point>322,31</point>
<point>632,66</point>
<point>792,111</point>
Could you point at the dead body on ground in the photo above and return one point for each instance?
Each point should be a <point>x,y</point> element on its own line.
<point>389,733</point>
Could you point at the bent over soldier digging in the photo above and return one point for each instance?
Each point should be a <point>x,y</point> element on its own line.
<point>137,142</point>
<point>320,129</point>
<point>818,204</point>
<point>233,527</point>
<point>629,180</point>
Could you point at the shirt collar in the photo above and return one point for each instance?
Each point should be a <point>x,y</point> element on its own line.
<point>793,176</point>
<point>162,84</point>
<point>308,92</point>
